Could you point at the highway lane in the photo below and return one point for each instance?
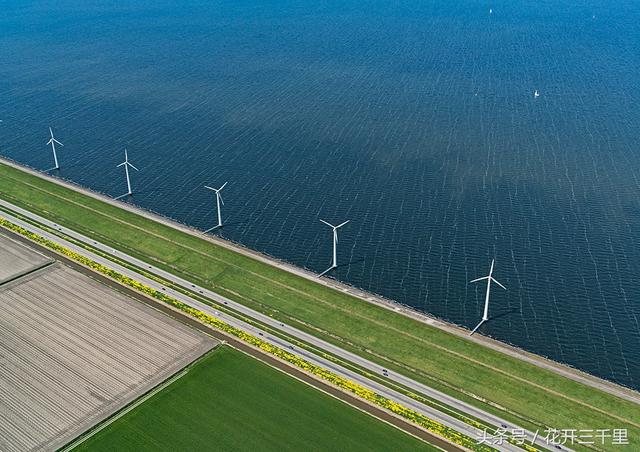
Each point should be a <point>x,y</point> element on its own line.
<point>343,354</point>
<point>376,299</point>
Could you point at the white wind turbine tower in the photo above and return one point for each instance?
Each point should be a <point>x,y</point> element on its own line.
<point>126,165</point>
<point>489,278</point>
<point>52,141</point>
<point>335,242</point>
<point>218,201</point>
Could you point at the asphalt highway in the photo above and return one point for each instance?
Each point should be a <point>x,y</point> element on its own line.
<point>347,356</point>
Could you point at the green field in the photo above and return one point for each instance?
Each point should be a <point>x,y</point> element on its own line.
<point>517,390</point>
<point>230,401</point>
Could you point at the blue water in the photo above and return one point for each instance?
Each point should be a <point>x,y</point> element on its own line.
<point>416,120</point>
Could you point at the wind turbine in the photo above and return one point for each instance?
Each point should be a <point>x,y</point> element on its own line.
<point>489,278</point>
<point>52,141</point>
<point>335,242</point>
<point>218,201</point>
<point>126,165</point>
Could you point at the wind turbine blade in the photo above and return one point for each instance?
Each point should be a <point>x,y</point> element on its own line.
<point>328,224</point>
<point>53,139</point>
<point>132,166</point>
<point>123,163</point>
<point>220,196</point>
<point>477,326</point>
<point>498,283</point>
<point>213,189</point>
<point>342,224</point>
<point>335,236</point>
<point>222,186</point>
<point>50,141</point>
<point>51,132</point>
<point>479,279</point>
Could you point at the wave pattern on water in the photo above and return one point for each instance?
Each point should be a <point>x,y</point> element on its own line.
<point>417,122</point>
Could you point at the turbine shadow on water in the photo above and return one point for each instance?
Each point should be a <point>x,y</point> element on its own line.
<point>231,224</point>
<point>351,263</point>
<point>332,270</point>
<point>504,314</point>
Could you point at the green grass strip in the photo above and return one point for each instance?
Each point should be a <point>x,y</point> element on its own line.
<point>229,401</point>
<point>515,389</point>
<point>429,424</point>
<point>428,401</point>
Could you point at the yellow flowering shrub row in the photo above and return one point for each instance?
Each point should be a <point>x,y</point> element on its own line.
<point>341,382</point>
<point>467,420</point>
<point>476,424</point>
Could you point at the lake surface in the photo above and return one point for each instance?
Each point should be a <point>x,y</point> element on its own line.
<point>415,120</point>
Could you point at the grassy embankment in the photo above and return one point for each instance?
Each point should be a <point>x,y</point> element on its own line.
<point>216,323</point>
<point>230,401</point>
<point>465,369</point>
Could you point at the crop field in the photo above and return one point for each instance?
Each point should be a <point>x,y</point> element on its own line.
<point>74,351</point>
<point>519,390</point>
<point>16,259</point>
<point>230,401</point>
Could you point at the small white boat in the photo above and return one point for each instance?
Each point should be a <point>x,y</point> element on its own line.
<point>536,93</point>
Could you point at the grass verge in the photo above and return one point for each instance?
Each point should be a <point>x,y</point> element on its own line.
<point>344,384</point>
<point>477,374</point>
<point>475,422</point>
